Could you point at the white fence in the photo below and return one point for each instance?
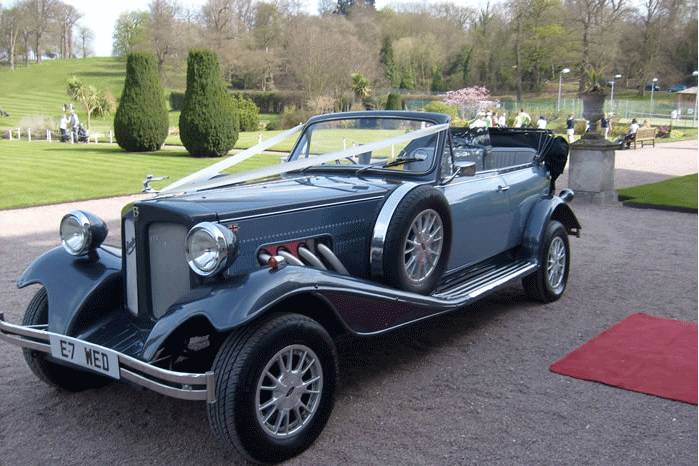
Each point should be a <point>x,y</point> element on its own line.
<point>19,134</point>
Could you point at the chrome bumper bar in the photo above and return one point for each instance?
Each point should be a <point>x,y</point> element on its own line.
<point>182,385</point>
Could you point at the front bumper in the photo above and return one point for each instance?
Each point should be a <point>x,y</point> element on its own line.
<point>182,385</point>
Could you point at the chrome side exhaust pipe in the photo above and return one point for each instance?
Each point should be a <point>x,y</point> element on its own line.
<point>331,259</point>
<point>311,258</point>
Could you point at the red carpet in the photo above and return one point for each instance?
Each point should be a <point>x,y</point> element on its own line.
<point>641,353</point>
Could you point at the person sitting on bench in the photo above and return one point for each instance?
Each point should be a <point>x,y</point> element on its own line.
<point>631,133</point>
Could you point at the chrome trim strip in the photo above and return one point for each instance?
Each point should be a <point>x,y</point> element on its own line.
<point>381,227</point>
<point>132,369</point>
<point>298,209</point>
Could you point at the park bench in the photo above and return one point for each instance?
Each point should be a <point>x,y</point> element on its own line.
<point>645,135</point>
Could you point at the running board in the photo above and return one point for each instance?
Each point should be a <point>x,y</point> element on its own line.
<point>473,286</point>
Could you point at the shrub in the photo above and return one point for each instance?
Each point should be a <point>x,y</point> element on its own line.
<point>141,122</point>
<point>176,100</point>
<point>394,102</point>
<point>273,125</point>
<point>107,104</point>
<point>292,116</point>
<point>208,122</point>
<point>441,107</point>
<point>248,113</point>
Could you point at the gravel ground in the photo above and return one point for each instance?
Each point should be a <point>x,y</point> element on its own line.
<point>471,387</point>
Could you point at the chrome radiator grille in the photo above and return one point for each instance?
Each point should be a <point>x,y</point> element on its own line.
<point>168,272</point>
<point>130,264</point>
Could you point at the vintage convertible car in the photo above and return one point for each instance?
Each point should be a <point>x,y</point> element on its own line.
<point>232,287</point>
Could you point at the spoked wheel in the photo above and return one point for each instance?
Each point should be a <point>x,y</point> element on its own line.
<point>288,391</point>
<point>418,239</point>
<point>275,382</point>
<point>549,282</point>
<point>423,246</point>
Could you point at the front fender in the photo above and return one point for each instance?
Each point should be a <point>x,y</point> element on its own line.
<point>237,301</point>
<point>70,281</point>
<point>543,211</point>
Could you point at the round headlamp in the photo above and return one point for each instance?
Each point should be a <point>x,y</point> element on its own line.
<point>210,248</point>
<point>81,232</point>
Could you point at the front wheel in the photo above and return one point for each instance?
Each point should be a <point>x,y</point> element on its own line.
<point>549,282</point>
<point>275,382</point>
<point>63,377</point>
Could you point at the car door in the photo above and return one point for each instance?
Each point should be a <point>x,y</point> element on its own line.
<point>481,218</point>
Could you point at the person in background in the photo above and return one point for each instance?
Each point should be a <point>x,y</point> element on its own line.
<point>489,118</point>
<point>646,124</point>
<point>570,127</point>
<point>604,124</point>
<point>74,122</point>
<point>502,120</point>
<point>494,120</point>
<point>541,122</point>
<point>631,133</point>
<point>522,119</point>
<point>63,127</point>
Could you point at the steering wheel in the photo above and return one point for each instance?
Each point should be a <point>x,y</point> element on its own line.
<point>337,162</point>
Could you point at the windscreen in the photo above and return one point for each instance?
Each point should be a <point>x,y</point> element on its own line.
<point>336,135</point>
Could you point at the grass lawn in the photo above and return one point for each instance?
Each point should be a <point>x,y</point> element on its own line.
<point>679,193</point>
<point>45,173</point>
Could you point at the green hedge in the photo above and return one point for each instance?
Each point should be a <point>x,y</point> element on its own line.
<point>275,101</point>
<point>208,122</point>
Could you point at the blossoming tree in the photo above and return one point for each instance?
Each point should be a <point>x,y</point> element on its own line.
<point>470,100</point>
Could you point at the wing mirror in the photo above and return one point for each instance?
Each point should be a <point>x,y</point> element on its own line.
<point>466,168</point>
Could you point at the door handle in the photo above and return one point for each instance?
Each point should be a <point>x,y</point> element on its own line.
<point>503,187</point>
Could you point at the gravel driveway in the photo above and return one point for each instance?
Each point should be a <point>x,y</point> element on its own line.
<point>472,387</point>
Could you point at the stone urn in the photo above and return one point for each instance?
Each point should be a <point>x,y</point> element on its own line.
<point>593,108</point>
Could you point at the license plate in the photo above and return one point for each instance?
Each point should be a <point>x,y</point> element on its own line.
<point>80,353</point>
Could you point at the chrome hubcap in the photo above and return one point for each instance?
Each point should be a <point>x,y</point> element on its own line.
<point>556,264</point>
<point>423,245</point>
<point>288,391</point>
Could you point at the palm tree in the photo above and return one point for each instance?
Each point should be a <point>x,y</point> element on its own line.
<point>360,86</point>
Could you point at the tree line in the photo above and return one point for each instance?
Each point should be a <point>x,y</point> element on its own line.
<point>32,29</point>
<point>510,46</point>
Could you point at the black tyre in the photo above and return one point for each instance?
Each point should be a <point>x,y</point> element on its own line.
<point>418,241</point>
<point>275,384</point>
<point>549,282</point>
<point>63,377</point>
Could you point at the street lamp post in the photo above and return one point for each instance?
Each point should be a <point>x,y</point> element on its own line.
<point>560,85</point>
<point>612,82</point>
<point>696,102</point>
<point>652,91</point>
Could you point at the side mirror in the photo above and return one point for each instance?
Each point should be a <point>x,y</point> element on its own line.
<point>465,168</point>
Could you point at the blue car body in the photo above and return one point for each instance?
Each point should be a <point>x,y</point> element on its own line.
<point>141,299</point>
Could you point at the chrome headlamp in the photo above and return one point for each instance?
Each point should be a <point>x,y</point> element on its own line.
<point>82,232</point>
<point>210,248</point>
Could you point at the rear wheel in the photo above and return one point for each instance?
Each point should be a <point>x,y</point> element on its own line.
<point>275,382</point>
<point>63,377</point>
<point>549,282</point>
